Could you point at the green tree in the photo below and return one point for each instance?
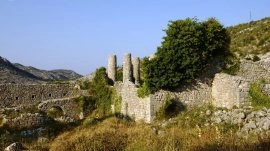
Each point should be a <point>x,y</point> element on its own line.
<point>186,49</point>
<point>102,91</point>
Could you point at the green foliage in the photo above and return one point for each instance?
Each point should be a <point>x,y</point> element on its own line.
<point>85,85</point>
<point>258,98</point>
<point>143,91</point>
<point>102,92</point>
<point>250,38</point>
<point>117,102</point>
<point>90,121</point>
<point>187,48</point>
<point>233,66</point>
<point>161,113</point>
<point>55,112</point>
<point>86,104</point>
<point>119,74</point>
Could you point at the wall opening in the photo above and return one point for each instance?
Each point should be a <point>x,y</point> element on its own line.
<point>17,98</point>
<point>50,95</point>
<point>33,96</point>
<point>55,112</point>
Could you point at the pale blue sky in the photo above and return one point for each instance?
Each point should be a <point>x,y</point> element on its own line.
<point>80,34</point>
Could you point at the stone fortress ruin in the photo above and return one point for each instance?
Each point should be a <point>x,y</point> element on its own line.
<point>42,97</point>
<point>131,105</point>
<point>224,90</point>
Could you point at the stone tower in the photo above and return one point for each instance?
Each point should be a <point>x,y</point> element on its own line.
<point>112,65</point>
<point>136,70</point>
<point>127,68</point>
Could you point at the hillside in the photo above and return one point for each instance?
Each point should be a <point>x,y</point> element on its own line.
<point>50,75</point>
<point>17,73</point>
<point>250,38</point>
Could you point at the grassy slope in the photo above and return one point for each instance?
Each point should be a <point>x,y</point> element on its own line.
<point>116,134</point>
<point>250,38</point>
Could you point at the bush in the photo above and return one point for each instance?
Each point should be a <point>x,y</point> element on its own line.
<point>85,85</point>
<point>233,66</point>
<point>143,91</point>
<point>187,48</point>
<point>55,112</point>
<point>104,94</point>
<point>258,98</point>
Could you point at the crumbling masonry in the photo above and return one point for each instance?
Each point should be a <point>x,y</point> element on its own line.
<point>133,106</point>
<point>220,90</point>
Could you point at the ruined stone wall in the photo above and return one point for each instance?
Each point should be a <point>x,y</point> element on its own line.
<point>68,105</point>
<point>254,71</point>
<point>12,95</point>
<point>195,95</point>
<point>28,120</point>
<point>131,105</point>
<point>229,91</point>
<point>139,108</point>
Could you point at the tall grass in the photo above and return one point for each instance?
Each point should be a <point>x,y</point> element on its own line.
<point>116,134</point>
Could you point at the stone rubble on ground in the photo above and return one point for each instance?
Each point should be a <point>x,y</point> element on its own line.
<point>249,121</point>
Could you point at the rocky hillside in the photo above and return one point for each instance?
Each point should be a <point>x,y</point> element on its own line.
<point>251,38</point>
<point>17,73</point>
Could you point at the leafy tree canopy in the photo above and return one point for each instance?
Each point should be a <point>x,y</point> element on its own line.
<point>102,91</point>
<point>186,49</point>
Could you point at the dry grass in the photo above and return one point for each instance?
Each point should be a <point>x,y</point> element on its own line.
<point>115,134</point>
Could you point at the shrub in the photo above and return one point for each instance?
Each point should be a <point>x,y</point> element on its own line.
<point>143,91</point>
<point>55,112</point>
<point>104,94</point>
<point>86,103</point>
<point>187,48</point>
<point>85,85</point>
<point>258,98</point>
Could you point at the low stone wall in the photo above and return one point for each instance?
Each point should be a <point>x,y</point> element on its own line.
<point>146,108</point>
<point>229,91</point>
<point>28,120</point>
<point>254,71</point>
<point>196,95</point>
<point>12,95</point>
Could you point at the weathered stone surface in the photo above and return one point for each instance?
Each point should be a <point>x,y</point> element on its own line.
<point>136,70</point>
<point>197,95</point>
<point>28,120</point>
<point>137,108</point>
<point>12,95</point>
<point>69,107</point>
<point>112,65</point>
<point>248,120</point>
<point>127,68</point>
<point>229,91</point>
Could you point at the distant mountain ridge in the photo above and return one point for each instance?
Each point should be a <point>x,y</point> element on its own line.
<point>20,74</point>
